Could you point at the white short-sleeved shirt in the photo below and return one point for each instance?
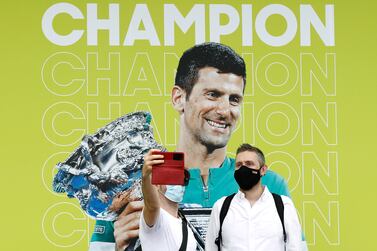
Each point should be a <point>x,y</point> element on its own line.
<point>254,228</point>
<point>165,235</point>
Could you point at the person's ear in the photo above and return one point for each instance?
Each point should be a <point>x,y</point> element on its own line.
<point>263,170</point>
<point>178,99</point>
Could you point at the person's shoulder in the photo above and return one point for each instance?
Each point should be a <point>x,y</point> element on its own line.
<point>219,203</point>
<point>286,200</point>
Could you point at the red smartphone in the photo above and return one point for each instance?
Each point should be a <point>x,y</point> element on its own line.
<point>172,171</point>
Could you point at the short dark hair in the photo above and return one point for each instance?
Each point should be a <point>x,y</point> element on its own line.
<point>210,54</point>
<point>249,148</point>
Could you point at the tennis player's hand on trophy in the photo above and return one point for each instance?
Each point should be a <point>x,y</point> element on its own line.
<point>127,226</point>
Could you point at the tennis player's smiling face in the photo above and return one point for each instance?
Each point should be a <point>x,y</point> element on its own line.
<point>214,107</point>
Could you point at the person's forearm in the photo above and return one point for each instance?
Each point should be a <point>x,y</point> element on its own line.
<point>151,201</point>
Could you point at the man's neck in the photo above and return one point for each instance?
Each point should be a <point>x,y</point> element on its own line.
<point>169,206</point>
<point>254,194</point>
<point>198,155</point>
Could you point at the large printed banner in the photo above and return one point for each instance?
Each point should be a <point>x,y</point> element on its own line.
<point>78,65</point>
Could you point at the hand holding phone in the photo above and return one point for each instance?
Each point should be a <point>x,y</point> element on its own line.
<point>151,158</point>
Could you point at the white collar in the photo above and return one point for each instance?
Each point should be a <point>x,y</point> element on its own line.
<point>266,193</point>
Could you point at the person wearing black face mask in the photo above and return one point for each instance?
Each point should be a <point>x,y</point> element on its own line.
<point>255,218</point>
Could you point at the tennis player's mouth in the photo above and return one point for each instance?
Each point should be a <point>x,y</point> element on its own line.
<point>217,124</point>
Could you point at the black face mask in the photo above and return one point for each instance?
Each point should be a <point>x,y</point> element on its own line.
<point>246,177</point>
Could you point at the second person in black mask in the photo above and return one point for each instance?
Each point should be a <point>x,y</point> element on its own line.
<point>253,218</point>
